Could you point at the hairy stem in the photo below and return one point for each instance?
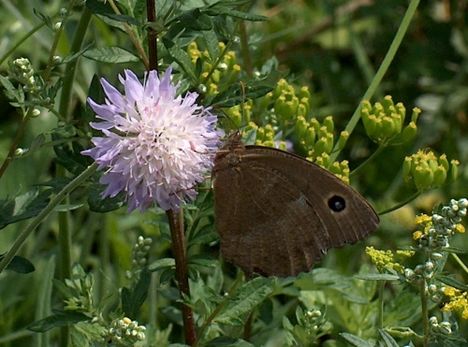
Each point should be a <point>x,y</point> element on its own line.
<point>176,223</point>
<point>132,36</point>
<point>424,312</point>
<point>381,71</point>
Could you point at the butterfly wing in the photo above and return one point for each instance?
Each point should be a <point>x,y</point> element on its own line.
<point>276,213</point>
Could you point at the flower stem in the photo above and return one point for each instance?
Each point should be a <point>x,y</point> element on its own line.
<point>400,204</point>
<point>460,262</point>
<point>132,36</point>
<point>424,312</point>
<point>70,69</point>
<point>380,72</point>
<point>176,223</point>
<point>381,304</point>
<point>152,35</point>
<point>244,40</point>
<point>44,213</point>
<point>368,160</point>
<point>20,42</point>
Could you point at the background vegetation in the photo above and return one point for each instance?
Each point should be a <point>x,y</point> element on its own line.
<point>332,47</point>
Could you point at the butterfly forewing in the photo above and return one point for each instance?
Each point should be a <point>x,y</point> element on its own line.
<point>278,213</point>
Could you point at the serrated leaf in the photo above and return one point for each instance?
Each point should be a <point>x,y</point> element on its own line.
<point>377,277</point>
<point>388,339</point>
<point>98,204</point>
<point>161,264</point>
<point>23,207</point>
<point>19,264</point>
<point>182,58</point>
<point>133,299</point>
<point>356,340</point>
<point>245,299</point>
<point>58,319</point>
<point>113,55</point>
<point>452,282</point>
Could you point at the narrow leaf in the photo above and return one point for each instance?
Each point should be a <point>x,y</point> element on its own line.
<point>356,340</point>
<point>114,55</point>
<point>388,339</point>
<point>58,319</point>
<point>377,277</point>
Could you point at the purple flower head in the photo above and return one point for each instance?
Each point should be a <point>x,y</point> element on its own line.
<point>156,146</point>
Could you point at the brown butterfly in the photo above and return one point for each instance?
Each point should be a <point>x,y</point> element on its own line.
<point>277,213</point>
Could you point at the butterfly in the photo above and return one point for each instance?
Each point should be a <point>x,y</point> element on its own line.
<point>277,213</point>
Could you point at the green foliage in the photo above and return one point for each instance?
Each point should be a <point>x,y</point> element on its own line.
<point>287,76</point>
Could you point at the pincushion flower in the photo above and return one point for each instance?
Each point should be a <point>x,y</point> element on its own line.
<point>156,146</point>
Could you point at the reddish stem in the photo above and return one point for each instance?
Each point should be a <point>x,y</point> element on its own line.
<point>176,223</point>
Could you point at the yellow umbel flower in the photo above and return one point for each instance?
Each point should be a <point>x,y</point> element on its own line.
<point>387,260</point>
<point>458,301</point>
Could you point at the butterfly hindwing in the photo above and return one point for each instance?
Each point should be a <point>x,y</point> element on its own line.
<point>273,211</point>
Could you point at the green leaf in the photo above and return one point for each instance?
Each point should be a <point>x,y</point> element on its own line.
<point>455,250</point>
<point>113,55</point>
<point>58,319</point>
<point>356,340</point>
<point>226,341</point>
<point>162,264</point>
<point>452,282</point>
<point>211,42</point>
<point>132,300</point>
<point>182,58</point>
<point>23,206</point>
<point>377,277</point>
<point>98,204</point>
<point>388,339</point>
<point>247,297</point>
<point>237,14</point>
<point>19,264</point>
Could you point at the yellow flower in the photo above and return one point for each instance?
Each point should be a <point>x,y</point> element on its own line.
<point>459,228</point>
<point>458,301</point>
<point>387,260</point>
<point>417,235</point>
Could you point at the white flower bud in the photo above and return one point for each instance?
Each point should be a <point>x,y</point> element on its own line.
<point>57,26</point>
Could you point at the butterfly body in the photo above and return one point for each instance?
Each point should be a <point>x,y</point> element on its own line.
<point>278,214</point>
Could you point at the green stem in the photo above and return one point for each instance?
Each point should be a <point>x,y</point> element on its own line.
<point>368,160</point>
<point>400,204</point>
<point>244,41</point>
<point>44,213</point>
<point>69,74</point>
<point>20,42</point>
<point>176,224</point>
<point>381,304</point>
<point>424,313</point>
<point>381,71</point>
<point>460,262</point>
